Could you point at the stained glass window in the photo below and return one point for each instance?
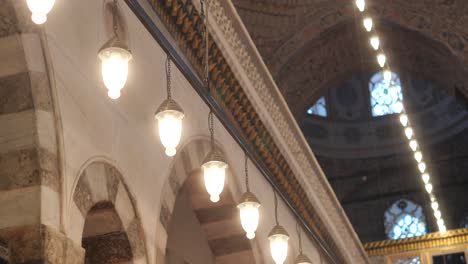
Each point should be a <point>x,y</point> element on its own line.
<point>405,219</point>
<point>384,94</point>
<point>319,108</point>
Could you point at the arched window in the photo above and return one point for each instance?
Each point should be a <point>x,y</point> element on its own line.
<point>319,108</point>
<point>384,94</point>
<point>404,219</point>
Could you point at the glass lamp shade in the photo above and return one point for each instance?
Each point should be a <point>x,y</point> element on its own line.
<point>302,259</point>
<point>169,117</point>
<point>361,5</point>
<point>40,9</point>
<point>381,59</point>
<point>278,238</point>
<point>375,42</point>
<point>214,173</point>
<point>368,24</point>
<point>114,58</point>
<point>249,213</point>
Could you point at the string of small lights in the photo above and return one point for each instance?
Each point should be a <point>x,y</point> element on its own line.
<point>374,41</point>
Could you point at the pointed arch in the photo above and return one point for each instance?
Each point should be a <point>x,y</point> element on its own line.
<point>101,183</point>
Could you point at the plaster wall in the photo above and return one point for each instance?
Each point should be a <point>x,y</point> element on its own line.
<point>122,132</point>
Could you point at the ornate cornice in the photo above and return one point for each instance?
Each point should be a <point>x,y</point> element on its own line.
<point>388,247</point>
<point>273,133</point>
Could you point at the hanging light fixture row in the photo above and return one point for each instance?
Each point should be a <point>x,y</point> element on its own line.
<point>115,57</point>
<point>376,44</point>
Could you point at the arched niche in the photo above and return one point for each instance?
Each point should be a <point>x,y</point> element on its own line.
<point>101,199</point>
<point>104,238</point>
<point>186,208</point>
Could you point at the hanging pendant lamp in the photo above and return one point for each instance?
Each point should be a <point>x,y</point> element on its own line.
<point>40,9</point>
<point>114,56</point>
<point>249,208</point>
<point>214,167</point>
<point>169,116</point>
<point>278,238</point>
<point>301,258</point>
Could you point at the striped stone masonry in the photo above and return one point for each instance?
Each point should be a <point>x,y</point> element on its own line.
<point>98,183</point>
<point>29,168</point>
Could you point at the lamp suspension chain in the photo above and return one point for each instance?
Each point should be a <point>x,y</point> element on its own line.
<point>276,207</point>
<point>211,128</point>
<point>168,77</point>
<point>247,173</point>
<point>115,23</point>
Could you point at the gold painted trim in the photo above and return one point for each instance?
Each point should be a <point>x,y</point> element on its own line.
<point>388,247</point>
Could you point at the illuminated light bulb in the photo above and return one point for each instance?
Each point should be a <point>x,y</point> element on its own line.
<point>409,132</point>
<point>428,188</point>
<point>169,117</point>
<point>413,144</point>
<point>40,9</point>
<point>418,156</point>
<point>398,107</point>
<point>435,206</point>
<point>361,5</point>
<point>404,120</point>
<point>302,259</point>
<point>426,178</point>
<point>442,229</point>
<point>381,59</point>
<point>422,167</point>
<point>437,214</point>
<point>214,173</point>
<point>440,222</point>
<point>375,42</point>
<point>114,58</point>
<point>387,75</point>
<point>278,238</point>
<point>368,24</point>
<point>249,213</point>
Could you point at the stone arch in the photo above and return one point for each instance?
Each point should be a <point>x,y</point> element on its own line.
<point>184,175</point>
<point>101,183</point>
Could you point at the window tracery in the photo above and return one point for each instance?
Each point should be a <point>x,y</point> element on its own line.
<point>384,94</point>
<point>405,219</point>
